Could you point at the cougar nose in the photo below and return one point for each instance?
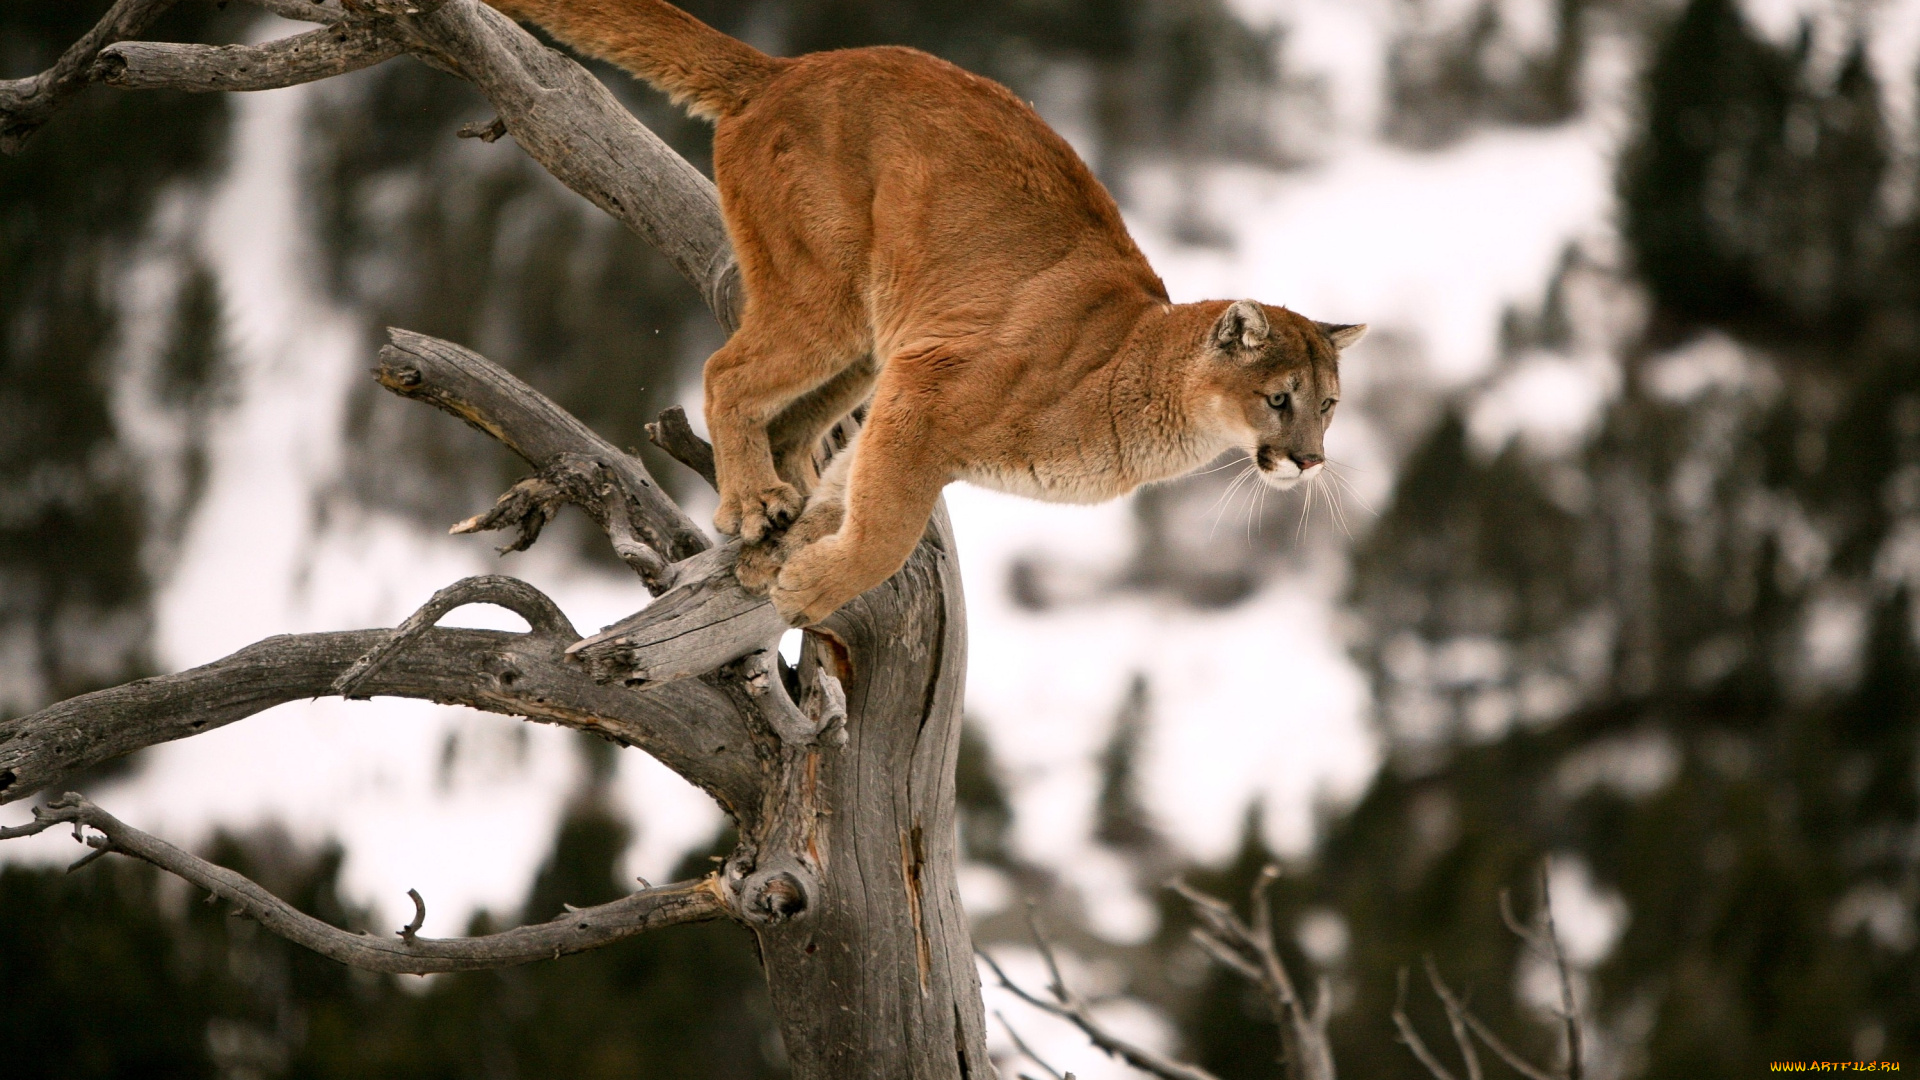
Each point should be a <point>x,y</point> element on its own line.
<point>1307,461</point>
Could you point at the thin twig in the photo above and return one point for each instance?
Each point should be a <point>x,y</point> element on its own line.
<point>1544,942</point>
<point>577,931</point>
<point>1250,951</point>
<point>412,929</point>
<point>1569,1012</point>
<point>1411,1035</point>
<point>1070,1008</point>
<point>1020,1044</point>
<point>1519,1064</point>
<point>1456,1019</point>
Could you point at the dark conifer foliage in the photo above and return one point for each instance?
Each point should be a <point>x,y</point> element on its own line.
<point>73,512</point>
<point>1166,74</point>
<point>115,972</point>
<point>1681,657</point>
<point>1752,196</point>
<point>1447,78</point>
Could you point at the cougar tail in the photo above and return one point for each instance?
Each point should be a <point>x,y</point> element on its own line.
<point>703,70</point>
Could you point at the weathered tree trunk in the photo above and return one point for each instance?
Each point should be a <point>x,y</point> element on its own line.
<point>846,865</point>
<point>881,981</point>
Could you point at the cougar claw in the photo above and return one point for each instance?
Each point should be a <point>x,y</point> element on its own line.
<point>753,517</point>
<point>758,566</point>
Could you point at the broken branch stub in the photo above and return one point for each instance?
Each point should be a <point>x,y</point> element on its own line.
<point>461,382</point>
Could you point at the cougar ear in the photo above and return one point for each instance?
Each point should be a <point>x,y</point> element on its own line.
<point>1242,326</point>
<point>1343,334</point>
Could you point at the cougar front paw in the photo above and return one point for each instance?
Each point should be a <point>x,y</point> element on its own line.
<point>758,566</point>
<point>811,586</point>
<point>751,515</point>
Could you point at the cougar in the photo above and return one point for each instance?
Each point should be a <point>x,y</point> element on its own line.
<point>914,237</point>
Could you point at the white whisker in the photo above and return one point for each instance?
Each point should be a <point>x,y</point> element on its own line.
<point>1352,491</point>
<point>1339,513</point>
<point>1254,501</point>
<point>1306,511</point>
<point>1223,465</point>
<point>1220,504</point>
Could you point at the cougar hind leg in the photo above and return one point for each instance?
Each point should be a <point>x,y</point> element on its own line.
<point>794,437</point>
<point>750,381</point>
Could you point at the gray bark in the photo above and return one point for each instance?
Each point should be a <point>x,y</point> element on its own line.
<point>303,58</point>
<point>845,800</point>
<point>574,931</point>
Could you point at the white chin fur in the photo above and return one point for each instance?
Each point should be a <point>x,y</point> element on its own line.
<point>1287,475</point>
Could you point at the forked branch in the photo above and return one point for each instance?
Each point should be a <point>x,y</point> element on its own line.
<point>407,953</point>
<point>26,104</point>
<point>1067,1005</point>
<point>693,678</point>
<point>1545,942</point>
<point>1250,951</point>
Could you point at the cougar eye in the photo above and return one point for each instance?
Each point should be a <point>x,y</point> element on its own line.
<point>1279,401</point>
<point>1327,405</point>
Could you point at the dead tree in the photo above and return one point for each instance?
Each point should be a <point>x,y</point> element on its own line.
<point>839,773</point>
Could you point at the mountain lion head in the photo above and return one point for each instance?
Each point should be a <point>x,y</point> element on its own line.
<point>1278,376</point>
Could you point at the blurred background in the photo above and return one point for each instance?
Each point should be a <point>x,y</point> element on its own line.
<point>1619,567</point>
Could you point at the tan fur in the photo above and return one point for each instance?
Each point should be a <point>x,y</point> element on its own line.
<point>914,234</point>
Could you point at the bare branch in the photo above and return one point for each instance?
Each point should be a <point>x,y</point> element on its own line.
<point>576,931</point>
<point>582,481</point>
<point>706,620</point>
<point>673,434</point>
<point>460,381</point>
<point>1021,1045</point>
<point>694,728</point>
<point>1411,1035</point>
<point>303,10</point>
<point>542,615</point>
<point>289,61</point>
<point>591,143</point>
<point>1068,1006</point>
<point>1250,952</point>
<point>1456,1020</point>
<point>25,104</point>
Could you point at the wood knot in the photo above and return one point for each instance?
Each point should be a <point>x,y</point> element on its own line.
<point>775,898</point>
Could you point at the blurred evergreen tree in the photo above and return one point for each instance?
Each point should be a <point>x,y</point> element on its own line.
<point>1682,656</point>
<point>114,972</point>
<point>1452,68</point>
<point>986,817</point>
<point>73,511</point>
